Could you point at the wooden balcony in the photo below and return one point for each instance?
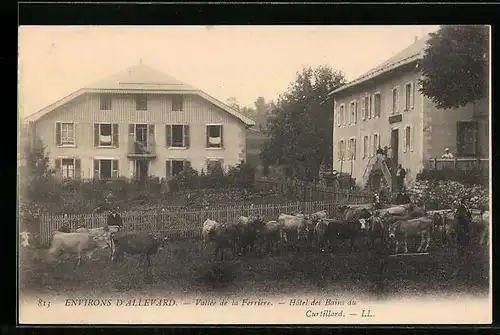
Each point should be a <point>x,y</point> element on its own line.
<point>141,150</point>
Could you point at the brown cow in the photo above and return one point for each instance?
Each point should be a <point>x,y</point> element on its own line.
<point>401,230</point>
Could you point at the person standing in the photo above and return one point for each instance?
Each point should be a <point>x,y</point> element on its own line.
<point>463,218</point>
<point>400,177</point>
<point>114,219</point>
<point>447,154</point>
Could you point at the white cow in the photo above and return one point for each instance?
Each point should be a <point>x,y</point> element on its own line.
<point>81,243</point>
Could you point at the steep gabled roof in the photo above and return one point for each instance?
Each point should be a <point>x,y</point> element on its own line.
<point>410,54</point>
<point>136,79</point>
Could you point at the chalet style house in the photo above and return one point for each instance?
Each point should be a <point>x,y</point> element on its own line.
<point>139,123</point>
<point>384,108</point>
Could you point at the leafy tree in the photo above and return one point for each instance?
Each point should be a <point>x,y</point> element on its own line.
<point>299,127</point>
<point>455,66</point>
<point>233,103</point>
<point>37,160</point>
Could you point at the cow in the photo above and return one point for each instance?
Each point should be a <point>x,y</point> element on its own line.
<point>208,230</point>
<point>269,235</point>
<point>395,210</point>
<point>226,237</point>
<point>75,243</point>
<point>140,243</point>
<point>328,230</point>
<point>401,230</point>
<point>315,217</point>
<point>295,226</point>
<point>355,214</point>
<point>248,228</point>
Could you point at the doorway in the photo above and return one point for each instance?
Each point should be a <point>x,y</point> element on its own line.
<point>141,169</point>
<point>395,153</point>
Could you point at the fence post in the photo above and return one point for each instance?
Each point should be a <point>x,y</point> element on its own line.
<point>455,163</point>
<point>435,163</point>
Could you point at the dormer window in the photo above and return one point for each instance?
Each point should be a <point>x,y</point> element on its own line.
<point>141,102</point>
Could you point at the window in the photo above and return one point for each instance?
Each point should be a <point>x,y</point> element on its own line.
<point>395,100</point>
<point>105,102</point>
<point>177,103</point>
<point>175,166</point>
<point>105,168</point>
<point>215,163</point>
<point>376,143</point>
<point>365,146</point>
<point>141,102</point>
<point>377,104</point>
<point>106,135</point>
<point>467,138</point>
<point>65,133</point>
<point>68,167</point>
<point>409,96</point>
<point>353,112</point>
<point>341,150</point>
<point>408,139</point>
<point>352,148</point>
<point>366,108</point>
<point>177,136</point>
<point>214,136</point>
<point>341,115</point>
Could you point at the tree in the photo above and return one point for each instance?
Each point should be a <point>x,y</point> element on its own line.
<point>233,103</point>
<point>300,127</point>
<point>455,66</point>
<point>37,160</point>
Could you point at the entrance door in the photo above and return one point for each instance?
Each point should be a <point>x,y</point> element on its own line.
<point>395,153</point>
<point>141,169</point>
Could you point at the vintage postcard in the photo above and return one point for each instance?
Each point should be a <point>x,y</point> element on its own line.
<point>254,175</point>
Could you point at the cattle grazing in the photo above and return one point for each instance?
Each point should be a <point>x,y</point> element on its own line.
<point>75,243</point>
<point>315,217</point>
<point>226,237</point>
<point>356,214</point>
<point>376,230</point>
<point>136,243</point>
<point>401,230</point>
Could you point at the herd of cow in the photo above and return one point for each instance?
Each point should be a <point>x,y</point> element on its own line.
<point>393,227</point>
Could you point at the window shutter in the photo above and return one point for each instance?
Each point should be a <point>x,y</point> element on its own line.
<point>168,168</point>
<point>151,134</point>
<point>401,102</point>
<point>114,168</point>
<point>411,138</point>
<point>221,137</point>
<point>57,165</point>
<point>221,163</point>
<point>96,135</point>
<point>74,133</point>
<point>355,111</point>
<point>186,136</point>
<point>339,118</point>
<point>404,139</point>
<point>116,142</point>
<point>168,135</point>
<point>412,95</point>
<point>131,129</point>
<point>354,149</point>
<point>58,133</point>
<point>206,135</point>
<point>96,168</point>
<point>187,164</point>
<point>78,168</point>
<point>363,111</point>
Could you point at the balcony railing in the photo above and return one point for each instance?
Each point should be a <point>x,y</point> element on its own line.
<point>139,149</point>
<point>458,163</point>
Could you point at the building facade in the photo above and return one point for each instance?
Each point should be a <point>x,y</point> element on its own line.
<point>384,108</point>
<point>139,123</point>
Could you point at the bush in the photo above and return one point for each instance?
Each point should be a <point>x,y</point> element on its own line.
<point>444,194</point>
<point>472,176</point>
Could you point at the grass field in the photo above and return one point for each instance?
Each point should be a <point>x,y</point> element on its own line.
<point>184,268</point>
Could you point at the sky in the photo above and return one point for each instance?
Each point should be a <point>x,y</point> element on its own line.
<point>244,62</point>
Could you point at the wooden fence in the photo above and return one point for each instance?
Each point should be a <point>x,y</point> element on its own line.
<point>179,224</point>
<point>458,163</point>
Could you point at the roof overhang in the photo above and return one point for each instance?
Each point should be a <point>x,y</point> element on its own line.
<point>373,75</point>
<point>34,117</point>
